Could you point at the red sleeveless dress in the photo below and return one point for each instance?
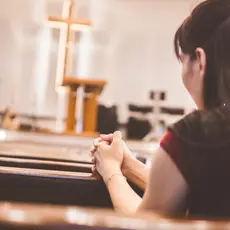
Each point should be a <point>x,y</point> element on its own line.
<point>199,145</point>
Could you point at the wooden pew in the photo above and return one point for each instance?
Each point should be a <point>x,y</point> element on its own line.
<point>50,170</point>
<point>37,151</point>
<point>52,187</point>
<point>45,151</point>
<point>69,143</point>
<point>48,173</point>
<point>38,156</point>
<point>30,175</point>
<point>43,217</point>
<point>44,164</point>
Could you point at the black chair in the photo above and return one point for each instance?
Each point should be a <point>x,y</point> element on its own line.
<point>107,119</point>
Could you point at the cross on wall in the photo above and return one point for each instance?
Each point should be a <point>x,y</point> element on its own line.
<point>66,24</point>
<point>91,88</point>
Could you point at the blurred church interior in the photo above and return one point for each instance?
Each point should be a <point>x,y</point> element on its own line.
<point>128,44</point>
<point>71,69</point>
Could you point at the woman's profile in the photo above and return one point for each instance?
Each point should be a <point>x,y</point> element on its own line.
<point>191,168</point>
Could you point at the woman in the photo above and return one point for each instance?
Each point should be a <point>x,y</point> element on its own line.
<point>191,168</point>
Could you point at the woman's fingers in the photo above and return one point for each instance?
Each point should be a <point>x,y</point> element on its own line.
<point>97,175</point>
<point>102,147</point>
<point>93,149</point>
<point>97,141</point>
<point>94,160</point>
<point>95,144</point>
<point>95,172</point>
<point>108,137</point>
<point>96,156</point>
<point>93,169</point>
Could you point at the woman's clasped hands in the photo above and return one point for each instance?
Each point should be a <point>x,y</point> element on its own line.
<point>110,155</point>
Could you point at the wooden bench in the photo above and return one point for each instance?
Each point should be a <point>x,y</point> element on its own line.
<point>43,217</point>
<point>34,173</point>
<point>52,187</point>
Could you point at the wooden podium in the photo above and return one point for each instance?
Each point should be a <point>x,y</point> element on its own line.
<point>68,25</point>
<point>92,89</point>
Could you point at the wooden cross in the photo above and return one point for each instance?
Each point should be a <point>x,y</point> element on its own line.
<point>92,87</point>
<point>67,25</point>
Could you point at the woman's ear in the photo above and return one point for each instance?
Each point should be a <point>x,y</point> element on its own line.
<point>201,59</point>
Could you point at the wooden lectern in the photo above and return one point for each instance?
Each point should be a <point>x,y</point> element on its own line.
<point>93,88</point>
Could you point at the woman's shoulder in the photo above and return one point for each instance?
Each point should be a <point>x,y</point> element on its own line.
<point>204,128</point>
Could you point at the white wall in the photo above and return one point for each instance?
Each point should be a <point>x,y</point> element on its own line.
<point>143,57</point>
<point>131,47</point>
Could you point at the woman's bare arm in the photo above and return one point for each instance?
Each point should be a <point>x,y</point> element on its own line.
<point>136,172</point>
<point>165,193</point>
<point>167,189</point>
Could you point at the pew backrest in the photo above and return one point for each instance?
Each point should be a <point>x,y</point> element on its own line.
<point>21,216</point>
